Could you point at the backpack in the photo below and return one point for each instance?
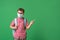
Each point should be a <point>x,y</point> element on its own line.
<point>16,23</point>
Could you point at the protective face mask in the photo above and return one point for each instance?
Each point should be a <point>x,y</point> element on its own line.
<point>20,15</point>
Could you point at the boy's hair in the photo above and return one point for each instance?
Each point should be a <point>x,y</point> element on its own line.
<point>21,9</point>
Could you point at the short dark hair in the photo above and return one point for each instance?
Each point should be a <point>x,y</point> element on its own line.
<point>21,9</point>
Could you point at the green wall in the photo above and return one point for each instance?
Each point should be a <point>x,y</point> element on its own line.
<point>46,14</point>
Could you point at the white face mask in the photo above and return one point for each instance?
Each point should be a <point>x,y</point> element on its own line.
<point>20,15</point>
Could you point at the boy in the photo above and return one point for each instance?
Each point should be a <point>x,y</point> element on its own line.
<point>18,25</point>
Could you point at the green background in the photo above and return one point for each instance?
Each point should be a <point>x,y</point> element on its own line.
<point>46,14</point>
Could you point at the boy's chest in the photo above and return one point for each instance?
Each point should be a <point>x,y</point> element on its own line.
<point>20,22</point>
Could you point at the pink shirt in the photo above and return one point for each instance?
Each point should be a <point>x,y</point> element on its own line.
<point>20,32</point>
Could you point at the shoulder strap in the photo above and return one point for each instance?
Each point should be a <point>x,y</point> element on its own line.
<point>15,21</point>
<point>24,23</point>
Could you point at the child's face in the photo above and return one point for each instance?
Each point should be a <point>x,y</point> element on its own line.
<point>20,14</point>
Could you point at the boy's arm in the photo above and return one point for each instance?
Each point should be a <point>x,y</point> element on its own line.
<point>12,25</point>
<point>30,24</point>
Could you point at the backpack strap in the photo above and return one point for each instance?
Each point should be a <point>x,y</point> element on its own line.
<point>15,21</point>
<point>24,23</point>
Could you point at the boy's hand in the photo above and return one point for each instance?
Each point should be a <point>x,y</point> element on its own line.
<point>32,22</point>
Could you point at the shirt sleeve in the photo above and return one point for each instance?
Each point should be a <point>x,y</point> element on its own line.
<point>12,23</point>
